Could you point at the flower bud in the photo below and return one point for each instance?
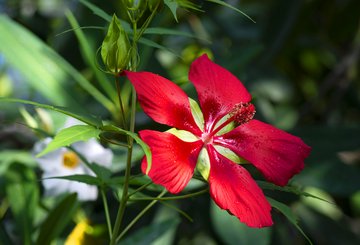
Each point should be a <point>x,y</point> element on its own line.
<point>115,49</point>
<point>139,5</point>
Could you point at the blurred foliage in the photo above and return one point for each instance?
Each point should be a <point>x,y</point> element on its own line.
<point>300,61</point>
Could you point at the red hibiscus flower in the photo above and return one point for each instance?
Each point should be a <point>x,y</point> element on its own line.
<point>215,140</point>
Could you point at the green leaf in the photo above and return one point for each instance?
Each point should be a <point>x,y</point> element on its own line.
<point>143,145</point>
<point>233,232</point>
<point>95,122</point>
<point>102,14</point>
<point>166,31</point>
<point>23,195</point>
<point>173,6</point>
<point>287,212</point>
<point>71,135</point>
<point>83,178</point>
<point>150,233</point>
<point>153,44</point>
<point>96,10</point>
<point>223,3</point>
<point>8,157</point>
<point>100,171</point>
<point>292,189</point>
<point>89,56</point>
<point>45,70</point>
<point>57,220</point>
<point>4,236</point>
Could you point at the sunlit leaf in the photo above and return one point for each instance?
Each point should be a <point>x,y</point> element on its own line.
<point>70,135</point>
<point>89,56</point>
<point>80,115</point>
<point>45,70</point>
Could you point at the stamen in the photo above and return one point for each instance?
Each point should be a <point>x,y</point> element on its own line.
<point>243,112</point>
<point>70,160</point>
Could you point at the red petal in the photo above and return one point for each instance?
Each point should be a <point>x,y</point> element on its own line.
<point>233,189</point>
<point>173,160</point>
<point>163,100</point>
<point>219,90</point>
<point>277,154</point>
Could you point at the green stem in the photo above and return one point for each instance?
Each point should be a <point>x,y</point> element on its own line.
<point>170,198</point>
<point>127,228</point>
<point>121,106</point>
<point>107,215</point>
<point>140,188</point>
<point>125,197</point>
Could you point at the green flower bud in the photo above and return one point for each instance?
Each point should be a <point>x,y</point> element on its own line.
<point>136,5</point>
<point>115,49</point>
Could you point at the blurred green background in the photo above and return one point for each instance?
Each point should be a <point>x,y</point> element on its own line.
<point>300,61</point>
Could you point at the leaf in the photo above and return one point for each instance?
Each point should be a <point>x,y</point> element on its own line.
<point>8,157</point>
<point>45,70</point>
<point>223,3</point>
<point>286,211</point>
<point>95,122</point>
<point>325,229</point>
<point>22,193</point>
<point>4,236</point>
<point>166,31</point>
<point>150,233</point>
<point>89,56</point>
<point>96,10</point>
<point>173,6</point>
<point>233,232</point>
<point>292,189</point>
<point>143,145</point>
<point>153,44</point>
<point>57,220</point>
<point>70,135</point>
<point>83,178</point>
<point>100,171</point>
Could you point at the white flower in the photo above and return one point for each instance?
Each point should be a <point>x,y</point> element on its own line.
<point>63,162</point>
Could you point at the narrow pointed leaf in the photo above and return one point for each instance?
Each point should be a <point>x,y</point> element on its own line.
<point>83,178</point>
<point>166,31</point>
<point>40,66</point>
<point>143,145</point>
<point>57,220</point>
<point>95,122</point>
<point>153,44</point>
<point>291,189</point>
<point>96,10</point>
<point>89,56</point>
<point>71,135</point>
<point>223,3</point>
<point>286,211</point>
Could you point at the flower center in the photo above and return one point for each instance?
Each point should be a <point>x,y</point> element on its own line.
<point>70,160</point>
<point>243,112</point>
<point>240,114</point>
<point>207,138</point>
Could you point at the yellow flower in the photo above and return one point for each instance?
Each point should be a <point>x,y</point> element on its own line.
<point>78,234</point>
